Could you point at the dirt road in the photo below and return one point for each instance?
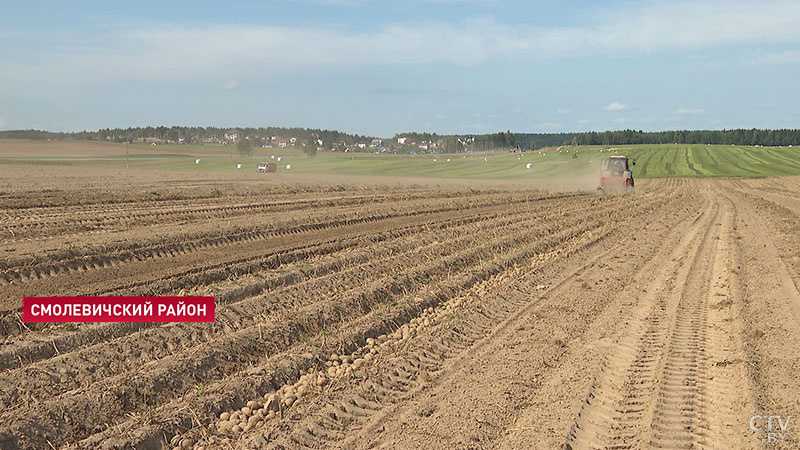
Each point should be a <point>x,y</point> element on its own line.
<point>414,318</point>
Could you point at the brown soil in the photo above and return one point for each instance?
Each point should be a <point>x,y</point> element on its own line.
<point>403,315</point>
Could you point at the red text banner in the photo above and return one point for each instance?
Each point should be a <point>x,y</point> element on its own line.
<point>118,309</point>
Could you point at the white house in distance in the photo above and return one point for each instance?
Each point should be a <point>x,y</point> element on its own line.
<point>402,140</point>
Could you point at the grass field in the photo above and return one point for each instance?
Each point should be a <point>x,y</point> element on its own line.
<point>653,161</point>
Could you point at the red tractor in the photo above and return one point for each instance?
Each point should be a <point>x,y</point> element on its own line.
<point>615,175</point>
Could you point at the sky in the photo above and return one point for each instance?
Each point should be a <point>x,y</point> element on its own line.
<point>385,67</point>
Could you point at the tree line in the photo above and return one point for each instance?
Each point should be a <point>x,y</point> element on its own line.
<point>740,136</point>
<point>191,135</point>
<point>448,143</point>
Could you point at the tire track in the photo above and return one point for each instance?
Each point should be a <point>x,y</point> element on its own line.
<point>653,390</point>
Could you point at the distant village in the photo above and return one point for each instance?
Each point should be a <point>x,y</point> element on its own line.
<point>404,144</point>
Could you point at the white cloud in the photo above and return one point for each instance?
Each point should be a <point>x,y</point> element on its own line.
<point>169,51</point>
<point>230,85</point>
<point>583,121</point>
<point>563,111</point>
<point>688,111</point>
<point>616,106</point>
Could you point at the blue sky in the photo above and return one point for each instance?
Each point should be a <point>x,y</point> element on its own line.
<point>383,67</point>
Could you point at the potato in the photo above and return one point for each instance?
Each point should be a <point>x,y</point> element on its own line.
<point>225,416</point>
<point>247,411</point>
<point>175,441</point>
<point>236,429</point>
<point>251,404</point>
<point>187,444</point>
<point>289,400</point>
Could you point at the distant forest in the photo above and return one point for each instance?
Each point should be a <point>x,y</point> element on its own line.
<point>737,137</point>
<point>195,135</point>
<point>449,143</point>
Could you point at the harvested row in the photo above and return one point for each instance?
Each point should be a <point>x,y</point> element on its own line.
<point>410,306</point>
<point>235,247</point>
<point>408,358</point>
<point>399,362</point>
<point>83,259</point>
<point>66,194</point>
<point>125,354</point>
<point>289,267</point>
<point>73,223</point>
<point>208,204</point>
<point>124,267</point>
<point>208,363</point>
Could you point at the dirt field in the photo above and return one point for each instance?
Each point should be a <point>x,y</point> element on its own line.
<point>402,314</point>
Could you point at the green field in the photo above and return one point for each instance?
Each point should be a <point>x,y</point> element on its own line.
<point>653,161</point>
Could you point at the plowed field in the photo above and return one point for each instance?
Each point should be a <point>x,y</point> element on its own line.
<point>406,316</point>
